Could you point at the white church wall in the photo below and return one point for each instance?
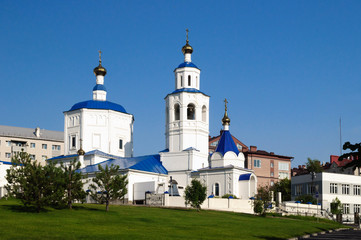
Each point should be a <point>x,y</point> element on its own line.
<point>190,160</point>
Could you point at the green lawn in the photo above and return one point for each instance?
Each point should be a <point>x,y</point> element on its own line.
<point>128,222</point>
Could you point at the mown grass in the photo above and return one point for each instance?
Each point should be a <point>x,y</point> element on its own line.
<point>88,221</point>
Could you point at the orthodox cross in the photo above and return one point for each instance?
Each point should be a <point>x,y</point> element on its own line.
<point>225,103</point>
<point>187,34</point>
<point>100,57</point>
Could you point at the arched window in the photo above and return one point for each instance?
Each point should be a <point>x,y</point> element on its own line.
<point>189,80</point>
<point>181,82</point>
<point>204,113</point>
<point>191,112</point>
<point>216,189</point>
<point>176,112</point>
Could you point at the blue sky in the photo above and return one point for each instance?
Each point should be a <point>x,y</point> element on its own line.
<point>289,69</point>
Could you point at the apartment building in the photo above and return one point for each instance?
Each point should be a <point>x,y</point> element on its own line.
<point>41,144</point>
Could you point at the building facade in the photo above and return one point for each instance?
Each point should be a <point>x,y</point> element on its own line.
<point>41,144</point>
<point>326,187</point>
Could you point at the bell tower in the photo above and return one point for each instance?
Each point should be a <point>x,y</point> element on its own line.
<point>187,108</point>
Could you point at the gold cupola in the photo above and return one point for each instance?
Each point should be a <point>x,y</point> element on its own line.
<point>100,70</point>
<point>187,48</point>
<point>225,120</point>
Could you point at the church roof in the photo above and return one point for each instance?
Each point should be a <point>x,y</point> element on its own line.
<point>149,163</point>
<point>187,64</point>
<point>226,144</point>
<point>92,104</point>
<point>93,152</point>
<point>99,87</point>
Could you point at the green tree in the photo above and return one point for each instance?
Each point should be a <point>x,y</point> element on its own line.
<point>355,154</point>
<point>263,200</point>
<point>29,181</point>
<point>73,183</point>
<point>313,165</point>
<point>108,185</point>
<point>336,206</point>
<point>283,186</point>
<point>195,194</point>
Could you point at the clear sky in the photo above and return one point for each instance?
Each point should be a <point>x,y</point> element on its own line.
<point>289,69</point>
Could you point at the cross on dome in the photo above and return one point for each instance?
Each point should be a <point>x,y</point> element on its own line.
<point>225,120</point>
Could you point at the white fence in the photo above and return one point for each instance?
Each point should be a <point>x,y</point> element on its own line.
<point>223,204</point>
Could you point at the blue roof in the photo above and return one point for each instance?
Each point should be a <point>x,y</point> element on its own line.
<point>187,64</point>
<point>191,90</point>
<point>99,87</point>
<point>246,176</point>
<point>7,163</point>
<point>92,104</point>
<point>95,152</point>
<point>226,144</point>
<point>149,163</point>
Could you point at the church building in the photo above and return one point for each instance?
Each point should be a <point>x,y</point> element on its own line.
<point>100,132</point>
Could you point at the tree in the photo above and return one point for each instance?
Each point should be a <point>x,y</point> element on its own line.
<point>355,154</point>
<point>108,185</point>
<point>313,165</point>
<point>29,181</point>
<point>263,200</point>
<point>336,206</point>
<point>195,194</point>
<point>283,186</point>
<point>73,183</point>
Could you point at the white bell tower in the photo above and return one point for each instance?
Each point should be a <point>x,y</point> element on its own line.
<point>187,109</point>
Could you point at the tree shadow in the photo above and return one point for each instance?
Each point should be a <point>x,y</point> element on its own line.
<point>22,208</point>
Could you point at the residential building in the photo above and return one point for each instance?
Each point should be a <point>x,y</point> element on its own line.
<point>41,144</point>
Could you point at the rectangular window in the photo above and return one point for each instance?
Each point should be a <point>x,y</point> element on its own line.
<point>120,144</point>
<point>56,147</point>
<point>356,189</point>
<point>73,142</point>
<point>298,189</point>
<point>346,208</point>
<point>357,208</point>
<point>32,145</point>
<point>257,163</point>
<point>282,175</point>
<point>8,155</point>
<point>283,166</point>
<point>43,157</point>
<point>333,188</point>
<point>272,174</point>
<point>32,157</point>
<point>345,189</point>
<point>8,143</point>
<point>44,146</point>
<point>271,164</point>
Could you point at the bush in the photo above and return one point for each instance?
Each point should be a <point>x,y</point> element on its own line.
<point>306,199</point>
<point>258,206</point>
<point>228,195</point>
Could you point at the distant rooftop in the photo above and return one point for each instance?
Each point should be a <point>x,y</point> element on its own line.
<point>31,133</point>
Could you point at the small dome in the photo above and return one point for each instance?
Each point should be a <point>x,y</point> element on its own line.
<point>225,119</point>
<point>100,70</point>
<point>187,64</point>
<point>187,48</point>
<point>81,152</point>
<point>92,104</point>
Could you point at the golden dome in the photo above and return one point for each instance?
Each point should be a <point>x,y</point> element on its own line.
<point>100,70</point>
<point>187,48</point>
<point>81,152</point>
<point>225,119</point>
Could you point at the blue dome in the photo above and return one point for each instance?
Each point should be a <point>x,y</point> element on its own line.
<point>226,144</point>
<point>99,87</point>
<point>91,104</point>
<point>193,90</point>
<point>187,64</point>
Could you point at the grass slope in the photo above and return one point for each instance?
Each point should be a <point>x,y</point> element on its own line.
<point>129,222</point>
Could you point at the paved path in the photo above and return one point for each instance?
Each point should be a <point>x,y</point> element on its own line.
<point>348,234</point>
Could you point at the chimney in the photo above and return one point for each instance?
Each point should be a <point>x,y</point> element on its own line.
<point>253,148</point>
<point>37,132</point>
<point>272,153</point>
